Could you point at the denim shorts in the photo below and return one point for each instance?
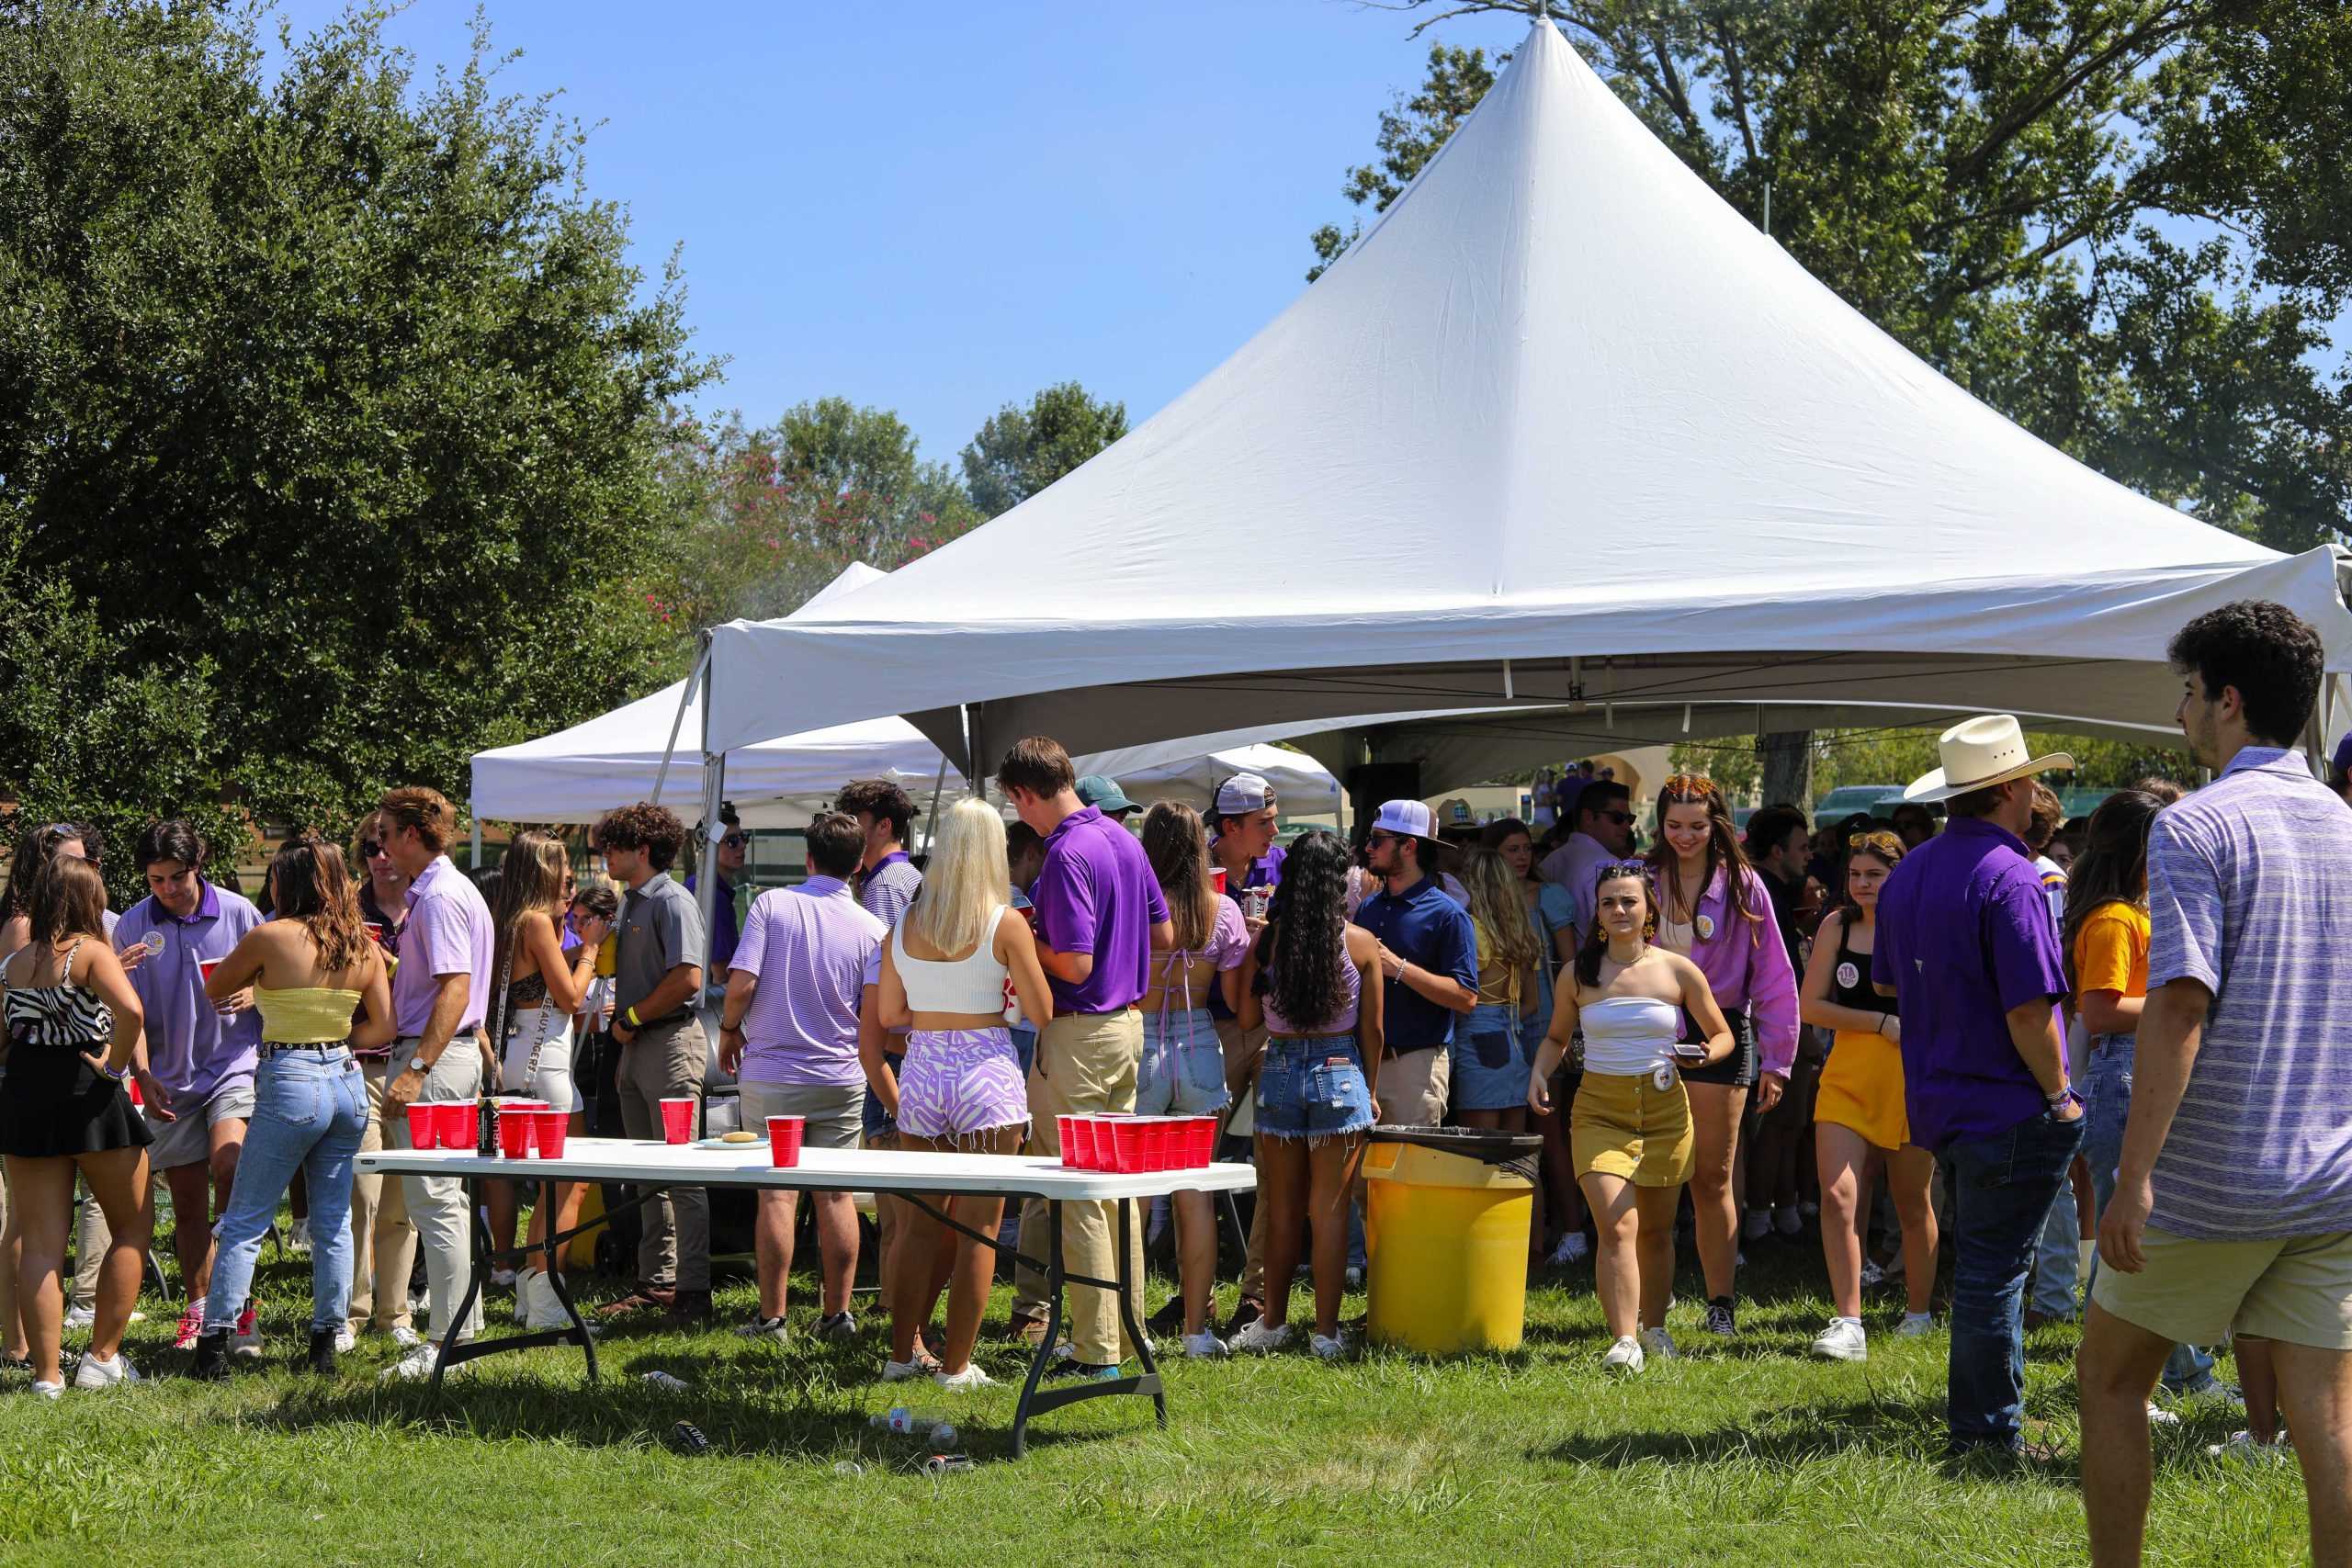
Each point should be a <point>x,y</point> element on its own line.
<point>1182,1072</point>
<point>1492,1064</point>
<point>1312,1089</point>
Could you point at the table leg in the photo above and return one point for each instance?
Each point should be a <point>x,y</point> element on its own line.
<point>555,1279</point>
<point>1128,1287</point>
<point>1045,1356</point>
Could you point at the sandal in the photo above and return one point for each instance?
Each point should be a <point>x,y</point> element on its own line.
<point>645,1298</point>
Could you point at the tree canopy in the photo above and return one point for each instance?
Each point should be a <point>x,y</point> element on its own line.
<point>332,414</point>
<point>1021,451</point>
<point>2123,223</point>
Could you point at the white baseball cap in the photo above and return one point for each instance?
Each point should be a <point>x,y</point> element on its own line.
<point>1241,795</point>
<point>1411,817</point>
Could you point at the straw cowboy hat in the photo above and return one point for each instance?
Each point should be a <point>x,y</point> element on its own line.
<point>1979,754</point>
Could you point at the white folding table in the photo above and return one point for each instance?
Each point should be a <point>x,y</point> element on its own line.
<point>650,1167</point>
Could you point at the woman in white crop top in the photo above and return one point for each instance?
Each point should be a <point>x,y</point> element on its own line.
<point>945,973</point>
<point>1630,1129</point>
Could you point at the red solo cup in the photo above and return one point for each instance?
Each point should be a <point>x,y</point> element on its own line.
<point>1126,1145</point>
<point>132,1084</point>
<point>1069,1143</point>
<point>678,1119</point>
<point>548,1130</point>
<point>375,929</point>
<point>204,968</point>
<point>785,1133</point>
<point>457,1124</point>
<point>514,1130</point>
<point>1205,1142</point>
<point>423,1131</point>
<point>1084,1133</point>
<point>1217,879</point>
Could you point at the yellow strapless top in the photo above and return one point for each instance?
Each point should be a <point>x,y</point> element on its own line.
<point>305,1015</point>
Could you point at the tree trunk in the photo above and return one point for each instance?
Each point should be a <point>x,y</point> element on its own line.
<point>1787,757</point>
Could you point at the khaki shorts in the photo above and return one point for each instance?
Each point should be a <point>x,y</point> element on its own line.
<point>830,1110</point>
<point>2298,1289</point>
<point>1414,1086</point>
<point>1625,1126</point>
<point>187,1139</point>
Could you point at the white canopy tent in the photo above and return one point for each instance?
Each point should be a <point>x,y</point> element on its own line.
<point>578,774</point>
<point>1560,429</point>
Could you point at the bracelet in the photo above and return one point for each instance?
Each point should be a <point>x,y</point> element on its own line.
<point>117,1074</point>
<point>634,1021</point>
<point>727,1028</point>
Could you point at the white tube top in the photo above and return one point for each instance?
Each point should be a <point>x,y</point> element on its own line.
<point>1629,1036</point>
<point>973,984</point>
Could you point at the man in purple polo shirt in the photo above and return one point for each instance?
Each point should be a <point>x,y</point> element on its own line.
<point>440,992</point>
<point>200,1058</point>
<point>2231,1210</point>
<point>1099,912</point>
<point>1966,943</point>
<point>789,1032</point>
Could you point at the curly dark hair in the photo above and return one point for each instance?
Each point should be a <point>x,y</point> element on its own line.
<point>1302,948</point>
<point>2269,653</point>
<point>653,829</point>
<point>880,799</point>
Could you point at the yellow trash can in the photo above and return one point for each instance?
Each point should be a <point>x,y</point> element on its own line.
<point>1446,1219</point>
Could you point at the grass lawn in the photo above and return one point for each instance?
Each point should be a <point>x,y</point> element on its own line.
<point>1741,1452</point>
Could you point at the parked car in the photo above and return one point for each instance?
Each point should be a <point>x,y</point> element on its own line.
<point>1847,799</point>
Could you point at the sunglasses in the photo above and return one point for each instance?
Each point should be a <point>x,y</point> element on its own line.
<point>736,841</point>
<point>1622,818</point>
<point>1379,839</point>
<point>1622,868</point>
<point>1880,841</point>
<point>369,848</point>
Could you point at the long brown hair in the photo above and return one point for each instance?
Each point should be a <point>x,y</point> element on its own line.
<point>530,877</point>
<point>309,885</point>
<point>1724,850</point>
<point>1178,847</point>
<point>2114,863</point>
<point>1499,908</point>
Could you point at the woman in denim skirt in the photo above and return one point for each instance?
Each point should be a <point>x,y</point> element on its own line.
<point>1314,981</point>
<point>1492,1053</point>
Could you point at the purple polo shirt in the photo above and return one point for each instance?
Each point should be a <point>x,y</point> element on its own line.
<point>1964,934</point>
<point>1097,894</point>
<point>191,1049</point>
<point>448,932</point>
<point>808,946</point>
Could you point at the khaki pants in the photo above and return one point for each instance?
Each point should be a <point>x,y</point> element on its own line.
<point>1413,1086</point>
<point>666,1061</point>
<point>1086,1062</point>
<point>437,1204</point>
<point>383,1243</point>
<point>91,1239</point>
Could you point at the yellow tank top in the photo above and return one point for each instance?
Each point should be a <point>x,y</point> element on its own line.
<point>305,1015</point>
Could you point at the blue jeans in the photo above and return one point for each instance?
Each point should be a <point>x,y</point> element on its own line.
<point>2002,1190</point>
<point>2108,1090</point>
<point>310,1110</point>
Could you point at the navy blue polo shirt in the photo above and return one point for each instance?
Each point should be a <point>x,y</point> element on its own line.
<point>1428,931</point>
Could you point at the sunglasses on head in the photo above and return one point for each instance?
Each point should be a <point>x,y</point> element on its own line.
<point>1622,868</point>
<point>1880,841</point>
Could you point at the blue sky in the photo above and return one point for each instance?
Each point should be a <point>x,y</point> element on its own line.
<point>939,208</point>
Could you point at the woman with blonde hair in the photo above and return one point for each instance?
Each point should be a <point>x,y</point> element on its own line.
<point>1492,1053</point>
<point>538,991</point>
<point>313,970</point>
<point>1182,1072</point>
<point>945,971</point>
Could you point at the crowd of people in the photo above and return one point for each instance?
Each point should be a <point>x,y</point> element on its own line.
<point>2024,1034</point>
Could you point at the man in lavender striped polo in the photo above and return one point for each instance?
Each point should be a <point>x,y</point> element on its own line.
<point>2233,1205</point>
<point>789,1032</point>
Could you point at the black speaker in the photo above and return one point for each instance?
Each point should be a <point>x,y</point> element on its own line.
<point>1370,783</point>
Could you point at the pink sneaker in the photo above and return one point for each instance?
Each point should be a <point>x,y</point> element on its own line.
<point>247,1342</point>
<point>191,1327</point>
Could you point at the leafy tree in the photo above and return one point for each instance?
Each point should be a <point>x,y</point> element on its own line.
<point>2122,222</point>
<point>1021,451</point>
<point>331,418</point>
<point>1899,756</point>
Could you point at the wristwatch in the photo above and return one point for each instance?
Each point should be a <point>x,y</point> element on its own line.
<point>419,1065</point>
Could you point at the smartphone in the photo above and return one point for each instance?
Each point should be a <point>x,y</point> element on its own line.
<point>1688,1053</point>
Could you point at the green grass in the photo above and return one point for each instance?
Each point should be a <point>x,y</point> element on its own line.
<point>1743,1452</point>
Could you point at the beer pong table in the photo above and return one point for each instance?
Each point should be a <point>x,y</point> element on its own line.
<point>913,1177</point>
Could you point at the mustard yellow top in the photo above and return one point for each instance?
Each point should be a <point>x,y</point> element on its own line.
<point>305,1015</point>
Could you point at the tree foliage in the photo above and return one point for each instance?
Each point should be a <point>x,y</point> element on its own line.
<point>331,415</point>
<point>2124,223</point>
<point>1021,451</point>
<point>1899,756</point>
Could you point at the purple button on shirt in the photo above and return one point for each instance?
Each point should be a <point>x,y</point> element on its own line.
<point>448,932</point>
<point>1097,894</point>
<point>809,946</point>
<point>191,1049</point>
<point>1964,935</point>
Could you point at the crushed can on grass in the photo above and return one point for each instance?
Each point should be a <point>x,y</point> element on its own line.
<point>687,1438</point>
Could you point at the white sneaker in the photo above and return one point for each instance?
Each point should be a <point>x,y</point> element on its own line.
<point>502,1279</point>
<point>297,1235</point>
<point>1915,1325</point>
<point>1756,1225</point>
<point>1329,1347</point>
<point>771,1328</point>
<point>1843,1340</point>
<point>49,1390</point>
<point>2241,1447</point>
<point>965,1381</point>
<point>414,1367</point>
<point>1786,1220</point>
<point>2159,1417</point>
<point>95,1373</point>
<point>404,1336</point>
<point>1625,1356</point>
<point>1259,1339</point>
<point>1872,1275</point>
<point>1355,1277</point>
<point>1659,1343</point>
<point>345,1341</point>
<point>901,1371</point>
<point>246,1341</point>
<point>1205,1343</point>
<point>80,1319</point>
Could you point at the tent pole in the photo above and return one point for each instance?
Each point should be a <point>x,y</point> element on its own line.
<point>971,763</point>
<point>702,663</point>
<point>938,785</point>
<point>713,785</point>
<point>476,862</point>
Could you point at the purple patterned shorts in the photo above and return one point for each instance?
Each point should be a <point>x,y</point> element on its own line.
<point>961,1081</point>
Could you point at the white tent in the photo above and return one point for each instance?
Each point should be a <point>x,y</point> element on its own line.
<point>578,774</point>
<point>1561,428</point>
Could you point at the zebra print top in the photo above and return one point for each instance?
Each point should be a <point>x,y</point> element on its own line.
<point>58,1015</point>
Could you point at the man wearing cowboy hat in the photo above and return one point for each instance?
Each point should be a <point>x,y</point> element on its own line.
<point>1966,943</point>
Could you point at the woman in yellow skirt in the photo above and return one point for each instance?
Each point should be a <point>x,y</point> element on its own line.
<point>1858,1113</point>
<point>1630,1130</point>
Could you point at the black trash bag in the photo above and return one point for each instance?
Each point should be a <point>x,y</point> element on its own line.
<point>1519,1153</point>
